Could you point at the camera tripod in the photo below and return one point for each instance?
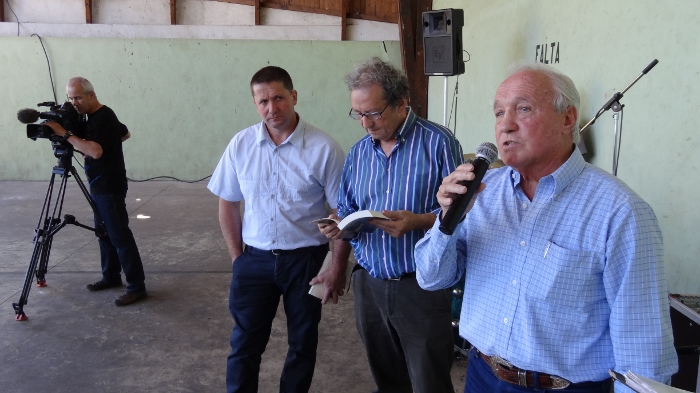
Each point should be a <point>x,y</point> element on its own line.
<point>50,222</point>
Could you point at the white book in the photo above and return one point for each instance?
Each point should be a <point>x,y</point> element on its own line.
<point>355,222</point>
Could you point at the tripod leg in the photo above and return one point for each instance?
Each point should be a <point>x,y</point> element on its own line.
<point>55,224</point>
<point>40,233</point>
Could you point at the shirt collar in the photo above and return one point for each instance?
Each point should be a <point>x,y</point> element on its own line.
<point>407,125</point>
<point>296,138</point>
<point>561,177</point>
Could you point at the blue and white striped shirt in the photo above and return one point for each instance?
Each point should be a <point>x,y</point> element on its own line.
<point>408,179</point>
<point>571,283</point>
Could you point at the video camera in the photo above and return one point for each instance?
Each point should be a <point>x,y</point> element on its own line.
<point>65,115</point>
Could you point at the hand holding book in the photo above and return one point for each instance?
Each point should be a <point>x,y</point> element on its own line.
<point>355,222</point>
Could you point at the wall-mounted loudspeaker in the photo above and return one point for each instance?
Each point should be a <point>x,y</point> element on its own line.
<point>442,41</point>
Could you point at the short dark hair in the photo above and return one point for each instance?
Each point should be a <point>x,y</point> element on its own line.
<point>272,74</point>
<point>376,71</point>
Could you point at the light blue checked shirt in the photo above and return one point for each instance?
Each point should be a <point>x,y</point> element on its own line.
<point>571,283</point>
<point>406,180</point>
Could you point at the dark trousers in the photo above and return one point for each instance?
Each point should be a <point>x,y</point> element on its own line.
<point>259,279</point>
<point>407,333</point>
<point>118,251</point>
<point>481,379</point>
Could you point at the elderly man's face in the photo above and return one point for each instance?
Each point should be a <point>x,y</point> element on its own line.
<point>371,99</point>
<point>532,137</point>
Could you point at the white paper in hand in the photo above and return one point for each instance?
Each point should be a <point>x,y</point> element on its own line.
<point>319,289</point>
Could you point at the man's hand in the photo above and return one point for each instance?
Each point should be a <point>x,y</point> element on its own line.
<point>331,230</point>
<point>57,128</point>
<point>402,222</point>
<point>450,187</point>
<point>334,281</point>
<point>88,148</point>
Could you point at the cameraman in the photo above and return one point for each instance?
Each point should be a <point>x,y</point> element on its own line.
<point>99,138</point>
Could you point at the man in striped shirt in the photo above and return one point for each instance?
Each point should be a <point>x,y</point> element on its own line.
<point>396,169</point>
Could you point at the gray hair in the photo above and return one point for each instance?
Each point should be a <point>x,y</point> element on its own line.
<point>376,71</point>
<point>565,93</point>
<point>86,85</point>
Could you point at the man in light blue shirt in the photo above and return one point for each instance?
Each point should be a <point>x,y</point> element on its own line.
<point>563,261</point>
<point>286,170</point>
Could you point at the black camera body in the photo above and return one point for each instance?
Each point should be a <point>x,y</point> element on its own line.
<point>65,115</point>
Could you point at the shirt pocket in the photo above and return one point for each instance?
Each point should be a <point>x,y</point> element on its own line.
<point>297,184</point>
<point>567,278</point>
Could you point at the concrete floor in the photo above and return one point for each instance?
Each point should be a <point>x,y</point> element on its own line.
<point>174,341</point>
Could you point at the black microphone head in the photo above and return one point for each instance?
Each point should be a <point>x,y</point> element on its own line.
<point>27,116</point>
<point>488,151</point>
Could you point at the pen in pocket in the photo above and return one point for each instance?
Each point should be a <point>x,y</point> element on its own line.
<point>546,250</point>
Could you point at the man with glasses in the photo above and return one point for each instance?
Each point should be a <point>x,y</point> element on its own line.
<point>396,169</point>
<point>286,170</point>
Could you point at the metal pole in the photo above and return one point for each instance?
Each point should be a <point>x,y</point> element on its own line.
<point>444,113</point>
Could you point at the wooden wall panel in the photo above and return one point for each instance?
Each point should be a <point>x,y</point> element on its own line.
<point>376,10</point>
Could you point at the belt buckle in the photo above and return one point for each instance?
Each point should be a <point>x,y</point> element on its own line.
<point>496,362</point>
<point>559,382</point>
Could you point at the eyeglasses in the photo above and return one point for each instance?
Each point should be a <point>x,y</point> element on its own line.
<point>369,115</point>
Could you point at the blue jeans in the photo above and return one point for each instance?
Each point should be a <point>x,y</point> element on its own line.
<point>480,379</point>
<point>407,332</point>
<point>118,250</point>
<point>258,280</point>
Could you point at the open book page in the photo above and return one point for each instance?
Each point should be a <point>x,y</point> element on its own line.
<point>325,220</point>
<point>355,222</point>
<point>642,384</point>
<point>650,385</point>
<point>319,289</point>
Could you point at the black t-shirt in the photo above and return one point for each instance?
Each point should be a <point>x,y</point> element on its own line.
<point>107,174</point>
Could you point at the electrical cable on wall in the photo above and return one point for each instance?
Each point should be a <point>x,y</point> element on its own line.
<point>169,177</point>
<point>53,89</point>
<point>453,106</point>
<point>48,63</point>
<point>13,13</point>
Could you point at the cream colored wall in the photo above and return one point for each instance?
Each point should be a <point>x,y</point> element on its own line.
<point>183,100</point>
<point>603,46</point>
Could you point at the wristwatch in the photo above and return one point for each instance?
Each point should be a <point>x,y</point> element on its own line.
<point>67,135</point>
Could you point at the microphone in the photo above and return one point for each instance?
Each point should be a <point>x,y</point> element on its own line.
<point>27,116</point>
<point>486,153</point>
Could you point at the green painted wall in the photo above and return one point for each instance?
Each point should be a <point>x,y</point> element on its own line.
<point>182,100</point>
<point>603,46</point>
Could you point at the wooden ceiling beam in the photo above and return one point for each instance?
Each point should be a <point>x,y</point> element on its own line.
<point>257,12</point>
<point>88,11</point>
<point>412,53</point>
<point>173,12</point>
<point>343,20</point>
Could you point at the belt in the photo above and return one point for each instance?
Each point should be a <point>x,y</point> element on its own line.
<point>505,371</point>
<point>399,278</point>
<point>289,252</point>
